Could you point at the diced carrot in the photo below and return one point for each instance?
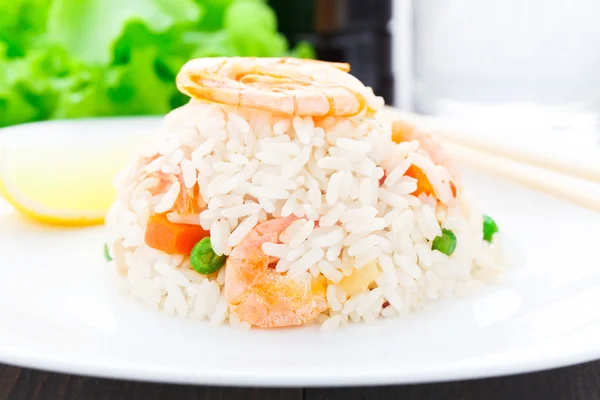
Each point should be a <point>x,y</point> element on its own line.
<point>164,235</point>
<point>402,132</point>
<point>423,184</point>
<point>453,188</point>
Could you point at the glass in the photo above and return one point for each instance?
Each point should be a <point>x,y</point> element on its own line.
<point>535,60</point>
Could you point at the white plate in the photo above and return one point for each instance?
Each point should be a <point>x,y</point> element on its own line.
<point>59,311</point>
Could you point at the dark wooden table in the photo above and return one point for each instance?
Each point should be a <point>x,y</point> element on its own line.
<point>581,382</point>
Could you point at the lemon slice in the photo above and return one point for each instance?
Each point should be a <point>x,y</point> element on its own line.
<point>62,177</point>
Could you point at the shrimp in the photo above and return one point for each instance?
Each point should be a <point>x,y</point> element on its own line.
<point>189,202</point>
<point>286,85</point>
<point>263,297</point>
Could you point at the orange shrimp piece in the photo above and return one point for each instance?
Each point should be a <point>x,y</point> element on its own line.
<point>187,201</point>
<point>262,296</point>
<point>287,85</point>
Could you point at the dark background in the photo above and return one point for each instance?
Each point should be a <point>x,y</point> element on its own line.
<point>352,31</point>
<point>577,382</point>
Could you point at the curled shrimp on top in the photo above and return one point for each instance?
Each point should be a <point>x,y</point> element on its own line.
<point>262,296</point>
<point>287,85</point>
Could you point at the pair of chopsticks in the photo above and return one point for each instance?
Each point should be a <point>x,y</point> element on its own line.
<point>573,180</point>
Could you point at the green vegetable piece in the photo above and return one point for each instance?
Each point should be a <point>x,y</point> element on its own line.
<point>203,258</point>
<point>89,29</point>
<point>489,228</point>
<point>107,253</point>
<point>252,27</point>
<point>446,243</point>
<point>303,49</point>
<point>64,59</point>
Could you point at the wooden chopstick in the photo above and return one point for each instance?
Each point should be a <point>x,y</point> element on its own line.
<point>573,182</point>
<point>582,192</point>
<point>573,167</point>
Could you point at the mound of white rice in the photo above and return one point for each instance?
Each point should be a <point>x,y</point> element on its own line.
<point>252,165</point>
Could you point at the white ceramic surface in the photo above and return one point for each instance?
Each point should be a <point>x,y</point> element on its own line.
<point>60,311</point>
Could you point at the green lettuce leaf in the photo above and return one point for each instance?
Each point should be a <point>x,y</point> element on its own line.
<point>14,107</point>
<point>252,27</point>
<point>303,50</point>
<point>88,29</point>
<point>137,88</point>
<point>21,22</point>
<point>214,10</point>
<point>86,58</point>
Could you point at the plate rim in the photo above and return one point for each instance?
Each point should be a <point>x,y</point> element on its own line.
<point>386,376</point>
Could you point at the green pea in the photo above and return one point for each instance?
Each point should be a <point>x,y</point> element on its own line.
<point>203,258</point>
<point>107,253</point>
<point>446,243</point>
<point>489,228</point>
